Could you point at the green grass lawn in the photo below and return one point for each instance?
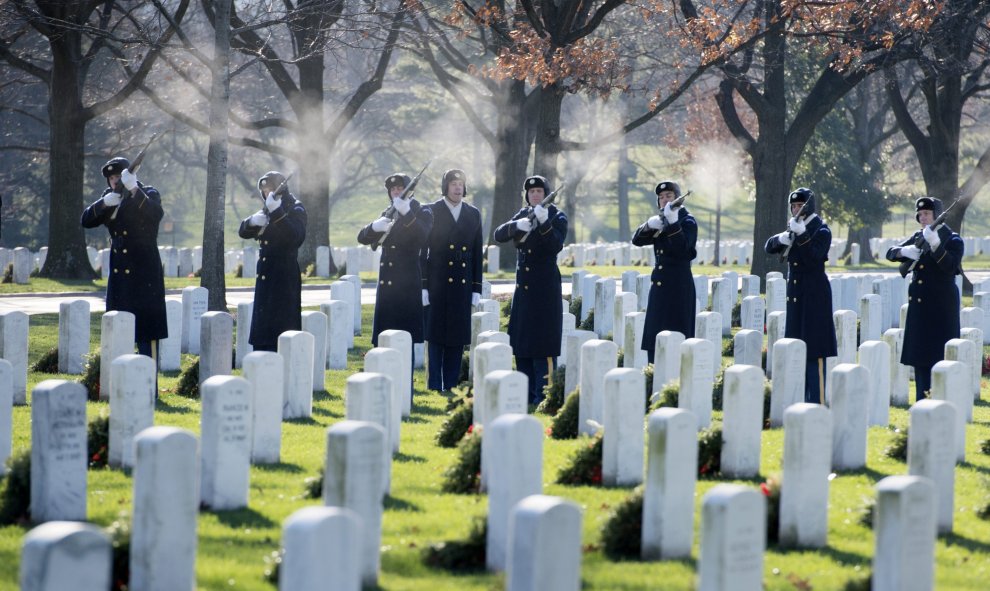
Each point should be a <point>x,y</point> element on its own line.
<point>233,544</point>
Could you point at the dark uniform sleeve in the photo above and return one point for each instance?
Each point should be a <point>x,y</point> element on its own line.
<point>894,252</point>
<point>367,236</point>
<point>949,253</point>
<point>774,245</point>
<point>97,213</point>
<point>477,276</point>
<point>682,235</point>
<point>247,231</point>
<point>643,236</point>
<point>286,225</point>
<point>509,230</point>
<point>549,236</point>
<point>812,247</point>
<point>412,229</point>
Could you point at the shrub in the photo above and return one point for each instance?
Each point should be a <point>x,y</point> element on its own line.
<point>313,486</point>
<point>15,497</point>
<point>8,274</point>
<point>771,490</point>
<point>589,322</point>
<point>553,392</point>
<point>457,424</point>
<point>648,374</point>
<point>564,424</point>
<point>464,477</point>
<point>897,450</point>
<point>460,395</point>
<point>669,396</point>
<point>119,533</point>
<point>737,314</point>
<point>91,377</point>
<point>239,271</point>
<point>575,306</point>
<point>710,452</point>
<point>623,528</point>
<point>189,382</point>
<point>48,362</point>
<point>461,555</point>
<point>728,346</point>
<point>718,387</point>
<point>465,375</point>
<point>767,390</point>
<point>342,270</point>
<point>585,466</point>
<point>98,441</point>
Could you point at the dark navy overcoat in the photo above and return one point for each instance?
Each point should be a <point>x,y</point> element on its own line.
<point>399,300</point>
<point>933,300</point>
<point>809,295</point>
<point>672,297</point>
<point>452,272</point>
<point>537,313</point>
<point>278,286</point>
<point>136,283</point>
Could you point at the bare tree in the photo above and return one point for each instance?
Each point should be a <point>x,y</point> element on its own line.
<point>79,34</point>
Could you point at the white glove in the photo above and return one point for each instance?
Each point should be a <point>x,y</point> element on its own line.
<point>272,202</point>
<point>524,225</point>
<point>784,238</point>
<point>381,224</point>
<point>401,206</point>
<point>654,223</point>
<point>129,179</point>
<point>670,214</point>
<point>258,219</point>
<point>932,237</point>
<point>475,299</point>
<point>910,252</point>
<point>796,226</point>
<point>426,297</point>
<point>111,199</point>
<point>541,213</point>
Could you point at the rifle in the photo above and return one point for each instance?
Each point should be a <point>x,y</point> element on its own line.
<point>134,167</point>
<point>673,205</point>
<point>546,201</point>
<point>907,266</point>
<point>783,255</point>
<point>277,189</point>
<point>391,212</point>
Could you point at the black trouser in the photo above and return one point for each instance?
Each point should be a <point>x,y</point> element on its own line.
<point>922,382</point>
<point>539,370</point>
<point>814,381</point>
<point>443,366</point>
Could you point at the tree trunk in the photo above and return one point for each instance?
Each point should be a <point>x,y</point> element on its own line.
<point>67,257</point>
<point>314,149</point>
<point>772,187</point>
<point>622,186</point>
<point>548,131</point>
<point>513,139</point>
<point>216,163</point>
<point>861,235</point>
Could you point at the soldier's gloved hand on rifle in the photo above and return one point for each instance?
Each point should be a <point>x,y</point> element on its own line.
<point>541,213</point>
<point>785,238</point>
<point>111,199</point>
<point>381,224</point>
<point>475,299</point>
<point>796,226</point>
<point>272,202</point>
<point>258,219</point>
<point>669,214</point>
<point>401,206</point>
<point>524,225</point>
<point>426,297</point>
<point>910,252</point>
<point>129,179</point>
<point>931,236</point>
<point>654,223</point>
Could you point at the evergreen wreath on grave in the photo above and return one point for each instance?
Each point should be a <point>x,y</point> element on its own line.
<point>575,306</point>
<point>460,555</point>
<point>465,375</point>
<point>313,486</point>
<point>15,496</point>
<point>564,424</point>
<point>239,271</point>
<point>771,490</point>
<point>553,392</point>
<point>48,362</point>
<point>589,322</point>
<point>620,359</point>
<point>98,440</point>
<point>767,390</point>
<point>648,375</point>
<point>668,397</point>
<point>585,466</point>
<point>898,448</point>
<point>737,314</point>
<point>507,308</point>
<point>189,381</point>
<point>986,365</point>
<point>459,420</point>
<point>464,476</point>
<point>8,274</point>
<point>91,377</point>
<point>710,452</point>
<point>119,533</point>
<point>623,528</point>
<point>718,386</point>
<point>728,346</point>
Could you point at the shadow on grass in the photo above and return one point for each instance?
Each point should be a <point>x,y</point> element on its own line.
<point>280,467</point>
<point>402,457</point>
<point>242,518</point>
<point>302,421</point>
<point>165,407</point>
<point>421,409</point>
<point>839,556</point>
<point>873,475</point>
<point>391,502</point>
<point>954,539</point>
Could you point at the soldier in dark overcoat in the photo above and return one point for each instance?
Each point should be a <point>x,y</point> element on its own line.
<point>672,234</point>
<point>280,228</point>
<point>933,299</point>
<point>536,321</point>
<point>131,212</point>
<point>809,295</point>
<point>401,231</point>
<point>452,281</point>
